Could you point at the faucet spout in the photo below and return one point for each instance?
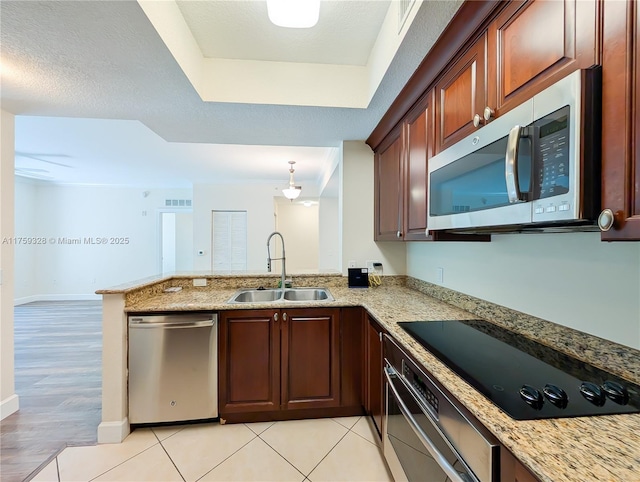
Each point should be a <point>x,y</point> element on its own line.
<point>269,258</point>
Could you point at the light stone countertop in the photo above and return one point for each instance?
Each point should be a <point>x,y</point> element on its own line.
<point>567,449</point>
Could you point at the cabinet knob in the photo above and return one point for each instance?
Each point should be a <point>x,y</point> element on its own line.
<point>398,234</point>
<point>488,113</point>
<point>606,220</point>
<point>275,317</point>
<point>476,120</point>
<point>284,317</point>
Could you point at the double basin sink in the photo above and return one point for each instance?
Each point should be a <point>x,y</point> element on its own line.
<point>266,295</point>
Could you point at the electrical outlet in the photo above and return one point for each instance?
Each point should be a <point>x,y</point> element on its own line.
<point>439,275</point>
<point>200,282</point>
<point>352,264</point>
<point>370,265</point>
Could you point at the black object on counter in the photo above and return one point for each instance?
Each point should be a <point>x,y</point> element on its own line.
<point>358,278</point>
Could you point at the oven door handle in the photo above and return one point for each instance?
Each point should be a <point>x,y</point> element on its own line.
<point>433,450</point>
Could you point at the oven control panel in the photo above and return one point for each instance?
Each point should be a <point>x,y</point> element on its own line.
<point>420,387</point>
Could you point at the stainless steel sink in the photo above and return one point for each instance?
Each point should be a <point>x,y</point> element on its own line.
<point>307,294</point>
<point>277,294</point>
<point>256,296</point>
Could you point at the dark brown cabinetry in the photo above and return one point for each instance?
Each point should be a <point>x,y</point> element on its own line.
<point>249,362</point>
<point>419,139</point>
<point>505,52</point>
<point>373,397</point>
<point>527,47</point>
<point>534,43</point>
<point>461,94</point>
<point>277,364</point>
<point>621,119</point>
<point>310,357</point>
<point>511,470</point>
<point>401,177</point>
<point>388,189</point>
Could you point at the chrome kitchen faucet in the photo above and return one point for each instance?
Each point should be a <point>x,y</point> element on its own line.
<point>269,258</point>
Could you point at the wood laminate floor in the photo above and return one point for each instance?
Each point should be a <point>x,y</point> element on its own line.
<point>58,376</point>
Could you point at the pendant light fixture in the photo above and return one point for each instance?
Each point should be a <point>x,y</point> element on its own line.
<point>294,13</point>
<point>292,191</point>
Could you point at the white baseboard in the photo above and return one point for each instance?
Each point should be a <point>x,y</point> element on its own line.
<point>26,299</point>
<point>32,298</point>
<point>8,406</point>
<point>113,432</point>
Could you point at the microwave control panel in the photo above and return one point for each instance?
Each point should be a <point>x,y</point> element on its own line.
<point>553,162</point>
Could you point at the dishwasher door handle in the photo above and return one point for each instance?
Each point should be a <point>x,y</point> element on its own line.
<point>171,325</point>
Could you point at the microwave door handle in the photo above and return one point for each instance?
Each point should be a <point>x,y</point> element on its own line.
<point>511,165</point>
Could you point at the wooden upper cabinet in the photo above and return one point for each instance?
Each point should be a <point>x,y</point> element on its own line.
<point>418,132</point>
<point>534,43</point>
<point>310,358</point>
<point>388,189</point>
<point>460,95</point>
<point>621,119</point>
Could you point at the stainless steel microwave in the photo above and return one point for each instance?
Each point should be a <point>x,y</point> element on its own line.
<point>537,166</point>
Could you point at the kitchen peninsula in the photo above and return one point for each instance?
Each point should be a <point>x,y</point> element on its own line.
<point>581,448</point>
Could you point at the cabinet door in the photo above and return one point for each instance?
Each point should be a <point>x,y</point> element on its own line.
<point>351,356</point>
<point>388,189</point>
<point>310,374</point>
<point>511,470</point>
<point>249,371</point>
<point>621,119</point>
<point>534,43</point>
<point>460,95</point>
<point>374,364</point>
<point>419,144</point>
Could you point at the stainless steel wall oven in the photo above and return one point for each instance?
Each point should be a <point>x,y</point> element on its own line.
<point>427,436</point>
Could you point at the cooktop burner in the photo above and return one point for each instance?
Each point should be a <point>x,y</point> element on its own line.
<point>524,378</point>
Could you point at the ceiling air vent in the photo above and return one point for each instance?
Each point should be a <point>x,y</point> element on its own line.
<point>404,7</point>
<point>177,203</point>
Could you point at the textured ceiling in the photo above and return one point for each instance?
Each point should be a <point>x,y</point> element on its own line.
<point>345,33</point>
<point>104,60</point>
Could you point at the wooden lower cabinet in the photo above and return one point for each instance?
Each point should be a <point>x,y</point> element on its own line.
<point>310,357</point>
<point>511,470</point>
<point>373,397</point>
<point>288,363</point>
<point>249,362</point>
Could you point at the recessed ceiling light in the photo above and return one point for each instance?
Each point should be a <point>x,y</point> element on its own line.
<point>294,13</point>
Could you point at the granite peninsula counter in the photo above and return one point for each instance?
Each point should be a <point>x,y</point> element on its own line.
<point>567,449</point>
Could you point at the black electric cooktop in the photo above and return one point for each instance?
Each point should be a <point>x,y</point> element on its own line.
<point>524,378</point>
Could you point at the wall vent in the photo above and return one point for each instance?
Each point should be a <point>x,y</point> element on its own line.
<point>404,7</point>
<point>177,203</point>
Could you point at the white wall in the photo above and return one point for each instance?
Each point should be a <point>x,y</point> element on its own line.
<point>184,241</point>
<point>26,196</point>
<point>357,209</point>
<point>572,279</point>
<point>329,234</point>
<point>83,215</point>
<point>299,226</point>
<point>8,399</point>
<point>256,199</point>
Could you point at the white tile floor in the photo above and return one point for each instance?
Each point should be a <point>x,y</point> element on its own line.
<point>339,449</point>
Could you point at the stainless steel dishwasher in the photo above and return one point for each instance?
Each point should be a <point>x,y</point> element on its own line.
<point>173,363</point>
